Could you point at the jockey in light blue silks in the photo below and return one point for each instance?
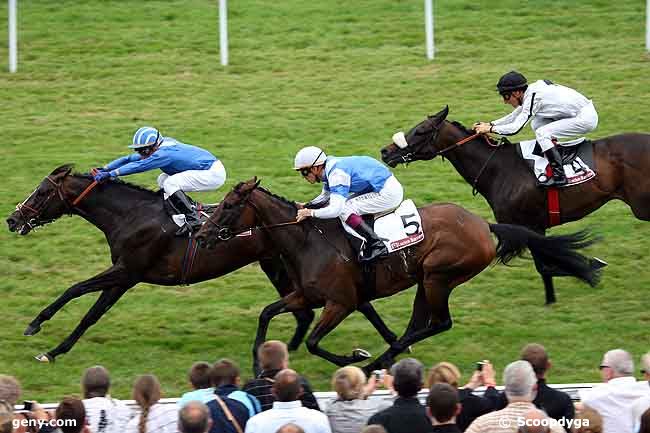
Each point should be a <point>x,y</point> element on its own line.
<point>184,168</point>
<point>354,186</point>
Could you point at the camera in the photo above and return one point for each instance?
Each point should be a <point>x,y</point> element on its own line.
<point>379,374</point>
<point>28,405</point>
<point>479,365</point>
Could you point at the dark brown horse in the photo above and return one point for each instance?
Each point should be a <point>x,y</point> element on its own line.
<point>457,246</point>
<point>143,249</point>
<point>499,174</point>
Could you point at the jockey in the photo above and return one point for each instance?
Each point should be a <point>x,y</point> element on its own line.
<point>184,168</point>
<point>354,185</point>
<point>558,112</point>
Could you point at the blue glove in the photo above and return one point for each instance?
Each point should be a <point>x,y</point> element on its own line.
<point>102,176</point>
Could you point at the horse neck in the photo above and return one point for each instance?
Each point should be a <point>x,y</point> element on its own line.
<point>272,210</point>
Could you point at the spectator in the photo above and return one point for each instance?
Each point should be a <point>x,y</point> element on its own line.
<point>472,405</point>
<point>350,411</point>
<point>443,406</point>
<point>6,417</point>
<point>556,404</point>
<point>9,389</point>
<point>202,390</point>
<point>406,415</point>
<point>520,386</point>
<point>73,414</point>
<point>588,421</point>
<point>643,403</point>
<point>374,428</point>
<point>290,428</point>
<point>273,356</point>
<point>287,408</point>
<point>228,415</point>
<point>645,366</point>
<point>224,376</point>
<point>644,426</point>
<point>154,417</point>
<point>614,399</point>
<point>533,422</point>
<point>194,417</point>
<point>104,414</point>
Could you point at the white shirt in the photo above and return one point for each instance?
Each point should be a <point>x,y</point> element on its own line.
<point>285,412</point>
<point>106,414</point>
<point>541,99</point>
<point>638,408</point>
<point>613,400</point>
<point>162,418</point>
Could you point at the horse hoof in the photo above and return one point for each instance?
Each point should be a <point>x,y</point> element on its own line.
<point>44,358</point>
<point>32,330</point>
<point>597,263</point>
<point>409,349</point>
<point>361,355</point>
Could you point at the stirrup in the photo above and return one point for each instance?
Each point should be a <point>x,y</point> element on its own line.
<point>553,182</point>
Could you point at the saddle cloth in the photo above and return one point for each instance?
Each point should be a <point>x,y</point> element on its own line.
<point>401,228</point>
<point>577,159</point>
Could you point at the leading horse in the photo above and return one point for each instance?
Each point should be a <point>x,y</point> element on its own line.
<point>458,245</point>
<point>143,248</point>
<point>499,174</point>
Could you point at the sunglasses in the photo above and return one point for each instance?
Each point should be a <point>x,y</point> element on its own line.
<point>644,371</point>
<point>506,95</point>
<point>600,367</point>
<point>305,171</point>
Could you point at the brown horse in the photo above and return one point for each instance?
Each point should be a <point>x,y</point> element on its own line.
<point>457,246</point>
<point>143,249</point>
<point>500,175</point>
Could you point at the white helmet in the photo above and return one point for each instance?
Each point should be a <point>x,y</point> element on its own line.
<point>309,156</point>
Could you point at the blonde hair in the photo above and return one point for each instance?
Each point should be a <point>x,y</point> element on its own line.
<point>348,382</point>
<point>9,389</point>
<point>146,392</point>
<point>595,421</point>
<point>443,372</point>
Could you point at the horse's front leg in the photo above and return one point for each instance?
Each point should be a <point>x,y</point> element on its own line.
<point>106,280</point>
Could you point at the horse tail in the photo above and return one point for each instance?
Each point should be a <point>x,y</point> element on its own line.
<point>559,252</point>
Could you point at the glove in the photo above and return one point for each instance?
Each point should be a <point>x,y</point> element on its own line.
<point>102,176</point>
<point>95,170</point>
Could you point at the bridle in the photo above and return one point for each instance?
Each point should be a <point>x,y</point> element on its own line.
<point>36,220</point>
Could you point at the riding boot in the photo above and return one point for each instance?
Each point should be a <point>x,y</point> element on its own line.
<point>181,204</point>
<point>555,161</point>
<point>374,247</point>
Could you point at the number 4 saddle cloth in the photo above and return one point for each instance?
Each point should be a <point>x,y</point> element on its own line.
<point>400,228</point>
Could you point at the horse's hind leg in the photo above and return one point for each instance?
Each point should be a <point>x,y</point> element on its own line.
<point>106,300</point>
<point>106,280</point>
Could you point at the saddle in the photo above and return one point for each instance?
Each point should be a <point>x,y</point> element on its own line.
<point>577,160</point>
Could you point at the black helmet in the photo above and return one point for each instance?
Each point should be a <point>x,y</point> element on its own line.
<point>513,80</point>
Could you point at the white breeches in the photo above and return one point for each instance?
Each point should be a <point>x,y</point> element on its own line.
<point>390,196</point>
<point>547,130</point>
<point>194,180</point>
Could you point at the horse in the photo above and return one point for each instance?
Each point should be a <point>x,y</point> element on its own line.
<point>457,246</point>
<point>143,248</point>
<point>500,175</point>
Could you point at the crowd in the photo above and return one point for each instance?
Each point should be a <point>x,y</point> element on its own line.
<point>279,400</point>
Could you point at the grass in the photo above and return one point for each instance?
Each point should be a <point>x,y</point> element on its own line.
<point>339,74</point>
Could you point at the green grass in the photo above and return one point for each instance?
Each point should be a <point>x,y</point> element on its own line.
<point>340,74</point>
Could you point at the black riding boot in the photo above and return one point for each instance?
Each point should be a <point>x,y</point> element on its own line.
<point>374,247</point>
<point>555,161</point>
<point>181,204</point>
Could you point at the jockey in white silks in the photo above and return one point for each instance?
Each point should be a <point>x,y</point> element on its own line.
<point>354,186</point>
<point>557,112</point>
<point>184,168</point>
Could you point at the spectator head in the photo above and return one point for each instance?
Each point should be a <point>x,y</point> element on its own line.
<point>444,372</point>
<point>616,363</point>
<point>290,428</point>
<point>73,411</point>
<point>146,390</point>
<point>442,403</point>
<point>95,382</point>
<point>520,382</point>
<point>348,382</point>
<point>644,427</point>
<point>273,355</point>
<point>194,417</point>
<point>374,428</point>
<point>645,366</point>
<point>590,421</point>
<point>6,417</point>
<point>199,375</point>
<point>286,386</point>
<point>538,358</point>
<point>533,422</point>
<point>408,377</point>
<point>9,389</point>
<point>224,372</point>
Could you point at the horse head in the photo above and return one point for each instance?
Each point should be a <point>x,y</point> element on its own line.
<point>48,202</point>
<point>234,214</point>
<point>418,145</point>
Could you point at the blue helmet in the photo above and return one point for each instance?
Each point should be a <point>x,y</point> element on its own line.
<point>145,137</point>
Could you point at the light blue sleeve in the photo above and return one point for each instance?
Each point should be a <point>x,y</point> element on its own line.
<point>119,162</point>
<point>156,160</point>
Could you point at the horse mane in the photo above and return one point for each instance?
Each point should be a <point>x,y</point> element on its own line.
<point>279,197</point>
<point>467,131</point>
<point>117,181</point>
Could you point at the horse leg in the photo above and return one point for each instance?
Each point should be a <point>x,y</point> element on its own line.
<point>107,279</point>
<point>276,272</point>
<point>332,315</point>
<point>373,317</point>
<point>104,303</point>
